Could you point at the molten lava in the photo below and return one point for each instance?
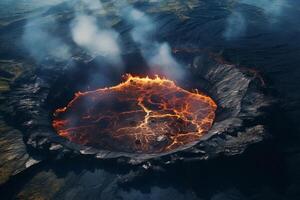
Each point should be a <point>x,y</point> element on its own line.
<point>140,115</point>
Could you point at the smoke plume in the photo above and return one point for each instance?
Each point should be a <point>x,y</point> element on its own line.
<point>88,35</point>
<point>235,26</point>
<point>237,22</point>
<point>96,38</point>
<point>39,38</point>
<point>164,62</point>
<point>158,55</point>
<point>41,44</point>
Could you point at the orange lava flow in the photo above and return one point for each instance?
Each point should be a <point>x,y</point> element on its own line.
<point>140,115</point>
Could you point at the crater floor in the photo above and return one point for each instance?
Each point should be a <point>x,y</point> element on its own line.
<point>140,115</point>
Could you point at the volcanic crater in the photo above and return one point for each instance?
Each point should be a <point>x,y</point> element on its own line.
<point>140,115</point>
<point>142,118</point>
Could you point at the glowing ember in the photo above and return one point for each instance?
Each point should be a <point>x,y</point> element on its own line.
<point>140,115</point>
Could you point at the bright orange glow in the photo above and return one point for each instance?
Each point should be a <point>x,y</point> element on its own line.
<point>140,115</point>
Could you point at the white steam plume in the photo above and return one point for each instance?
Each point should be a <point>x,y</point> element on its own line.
<point>42,44</point>
<point>87,34</point>
<point>158,55</point>
<point>101,40</point>
<point>164,62</point>
<point>236,24</point>
<point>143,27</point>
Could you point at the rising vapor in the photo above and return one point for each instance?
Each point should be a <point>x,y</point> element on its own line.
<point>97,39</point>
<point>87,34</point>
<point>237,22</point>
<point>165,63</point>
<point>158,55</point>
<point>235,26</point>
<point>41,44</point>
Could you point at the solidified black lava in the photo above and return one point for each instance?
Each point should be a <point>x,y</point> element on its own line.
<point>237,125</point>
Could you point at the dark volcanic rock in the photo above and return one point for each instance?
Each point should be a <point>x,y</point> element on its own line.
<point>13,151</point>
<point>14,156</point>
<point>239,121</point>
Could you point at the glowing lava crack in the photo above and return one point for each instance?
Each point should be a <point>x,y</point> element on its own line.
<point>140,115</point>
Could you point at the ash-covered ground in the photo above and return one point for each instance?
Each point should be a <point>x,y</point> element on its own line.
<point>242,53</point>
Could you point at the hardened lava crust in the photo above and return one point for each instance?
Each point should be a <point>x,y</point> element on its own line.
<point>152,126</point>
<point>140,115</point>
